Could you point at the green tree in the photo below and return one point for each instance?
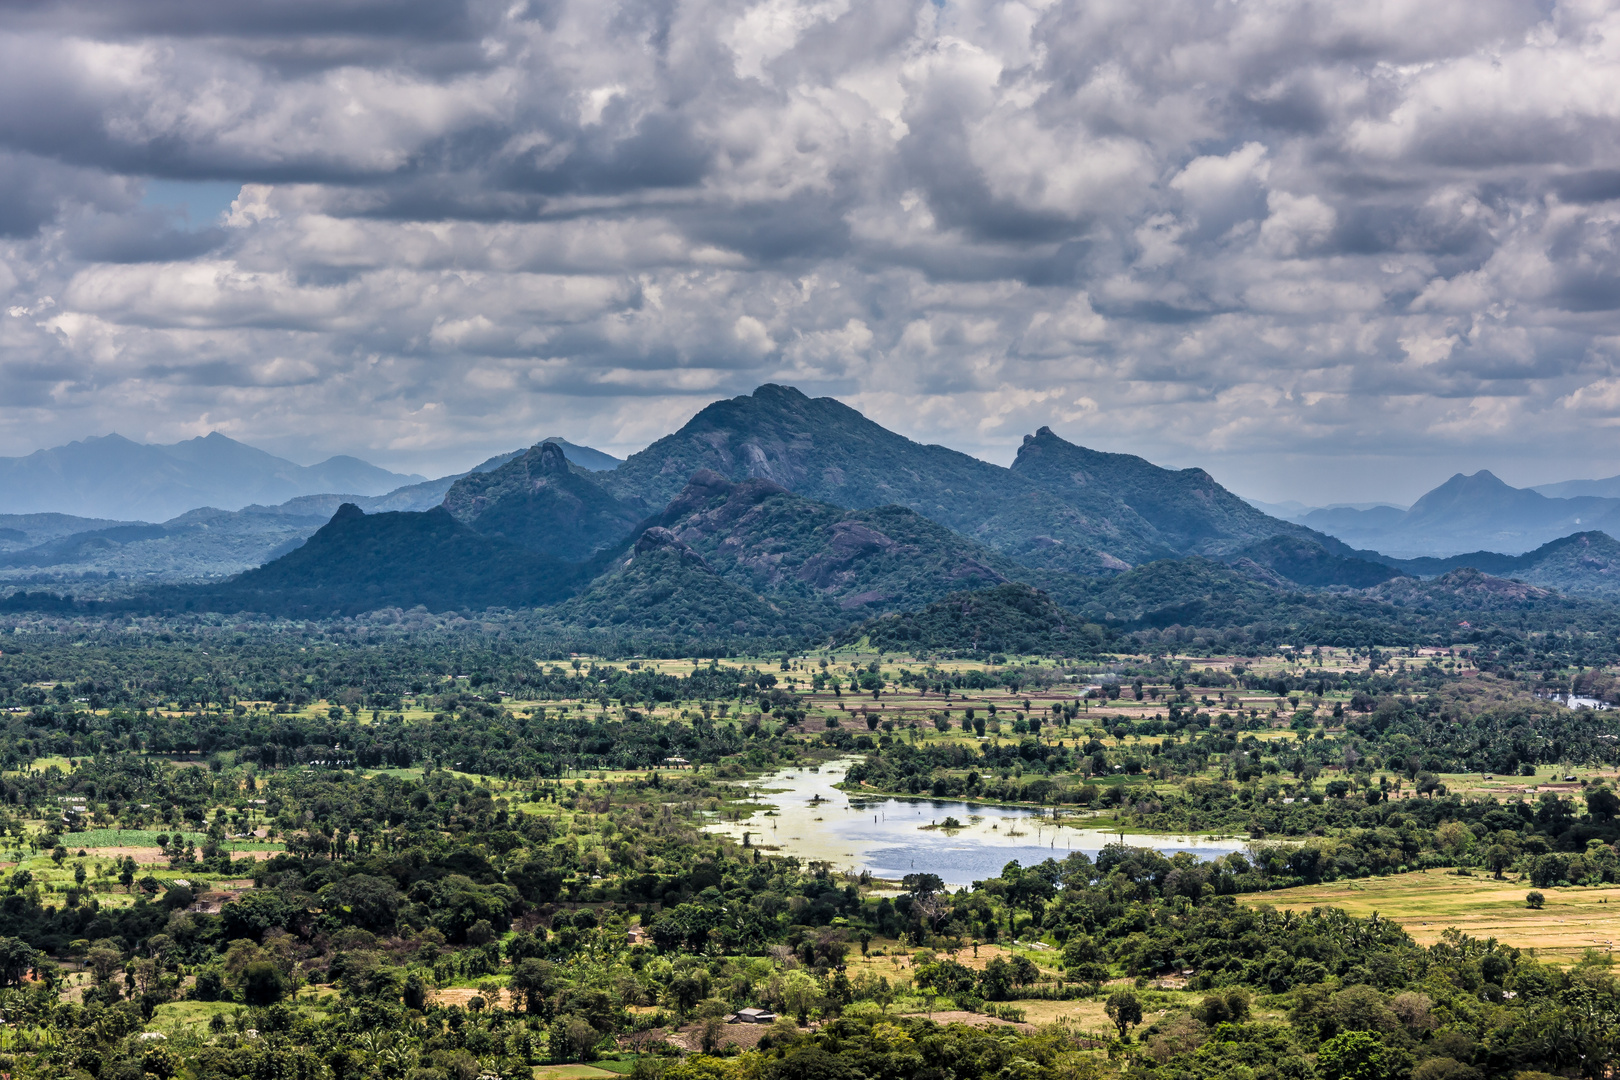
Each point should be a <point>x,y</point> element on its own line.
<point>572,1038</point>
<point>262,983</point>
<point>16,957</point>
<point>1361,1055</point>
<point>1124,1008</point>
<point>800,994</point>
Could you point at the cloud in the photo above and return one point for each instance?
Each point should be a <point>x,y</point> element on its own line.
<point>1266,239</point>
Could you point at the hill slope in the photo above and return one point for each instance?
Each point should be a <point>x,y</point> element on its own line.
<point>1306,562</point>
<point>665,587</point>
<point>1011,618</point>
<point>1585,564</point>
<point>361,562</point>
<point>1184,510</point>
<point>800,551</point>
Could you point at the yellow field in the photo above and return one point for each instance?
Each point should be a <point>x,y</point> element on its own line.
<point>1426,904</point>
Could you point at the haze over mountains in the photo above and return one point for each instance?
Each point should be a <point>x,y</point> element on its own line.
<point>1474,513</point>
<point>112,477</point>
<point>205,541</point>
<point>779,515</point>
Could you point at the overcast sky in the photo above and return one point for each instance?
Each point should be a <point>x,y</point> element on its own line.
<point>1330,251</point>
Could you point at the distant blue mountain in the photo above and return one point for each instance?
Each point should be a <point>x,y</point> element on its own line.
<point>1607,488</point>
<point>115,477</point>
<point>1470,514</point>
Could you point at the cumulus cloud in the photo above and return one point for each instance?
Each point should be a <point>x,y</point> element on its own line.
<point>1299,242</point>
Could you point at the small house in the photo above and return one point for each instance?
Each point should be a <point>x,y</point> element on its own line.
<point>754,1016</point>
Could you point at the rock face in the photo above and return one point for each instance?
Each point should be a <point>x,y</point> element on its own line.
<point>797,550</point>
<point>660,539</point>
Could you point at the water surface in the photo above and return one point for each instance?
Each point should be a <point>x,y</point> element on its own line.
<point>801,813</point>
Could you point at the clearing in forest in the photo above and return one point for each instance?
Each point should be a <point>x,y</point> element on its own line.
<point>1429,902</point>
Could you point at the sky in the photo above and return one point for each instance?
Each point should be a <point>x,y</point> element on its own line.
<point>1329,251</point>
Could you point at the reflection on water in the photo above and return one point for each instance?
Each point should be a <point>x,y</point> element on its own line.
<point>801,813</point>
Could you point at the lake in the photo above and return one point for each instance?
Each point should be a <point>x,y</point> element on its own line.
<point>801,813</point>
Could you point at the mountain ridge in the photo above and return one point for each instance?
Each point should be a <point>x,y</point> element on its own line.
<point>1469,513</point>
<point>114,477</point>
<point>823,449</point>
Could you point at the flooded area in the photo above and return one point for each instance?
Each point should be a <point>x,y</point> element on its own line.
<point>800,812</point>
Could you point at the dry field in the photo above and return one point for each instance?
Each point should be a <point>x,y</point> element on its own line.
<point>1426,904</point>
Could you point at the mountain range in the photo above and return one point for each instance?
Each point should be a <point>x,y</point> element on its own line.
<point>1472,513</point>
<point>776,515</point>
<point>207,542</point>
<point>113,477</point>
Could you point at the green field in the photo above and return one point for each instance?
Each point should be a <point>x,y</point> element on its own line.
<point>99,838</point>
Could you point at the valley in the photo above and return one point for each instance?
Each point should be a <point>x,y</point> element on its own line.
<point>539,858</point>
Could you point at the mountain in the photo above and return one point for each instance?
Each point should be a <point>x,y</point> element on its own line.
<point>1585,564</point>
<point>823,515</point>
<point>113,477</point>
<point>1608,488</point>
<point>200,544</point>
<point>26,530</point>
<point>361,562</point>
<point>1582,564</point>
<point>1469,513</point>
<point>586,457</point>
<point>197,545</point>
<point>1036,513</point>
<point>539,500</point>
<point>1466,589</point>
<point>80,547</point>
<point>817,519</point>
<point>799,551</point>
<point>1182,510</point>
<point>1285,511</point>
<point>823,449</point>
<point>1296,511</point>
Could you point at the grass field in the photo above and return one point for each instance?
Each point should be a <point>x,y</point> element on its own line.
<point>1427,903</point>
<point>122,838</point>
<point>97,838</point>
<point>181,1015</point>
<point>571,1072</point>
